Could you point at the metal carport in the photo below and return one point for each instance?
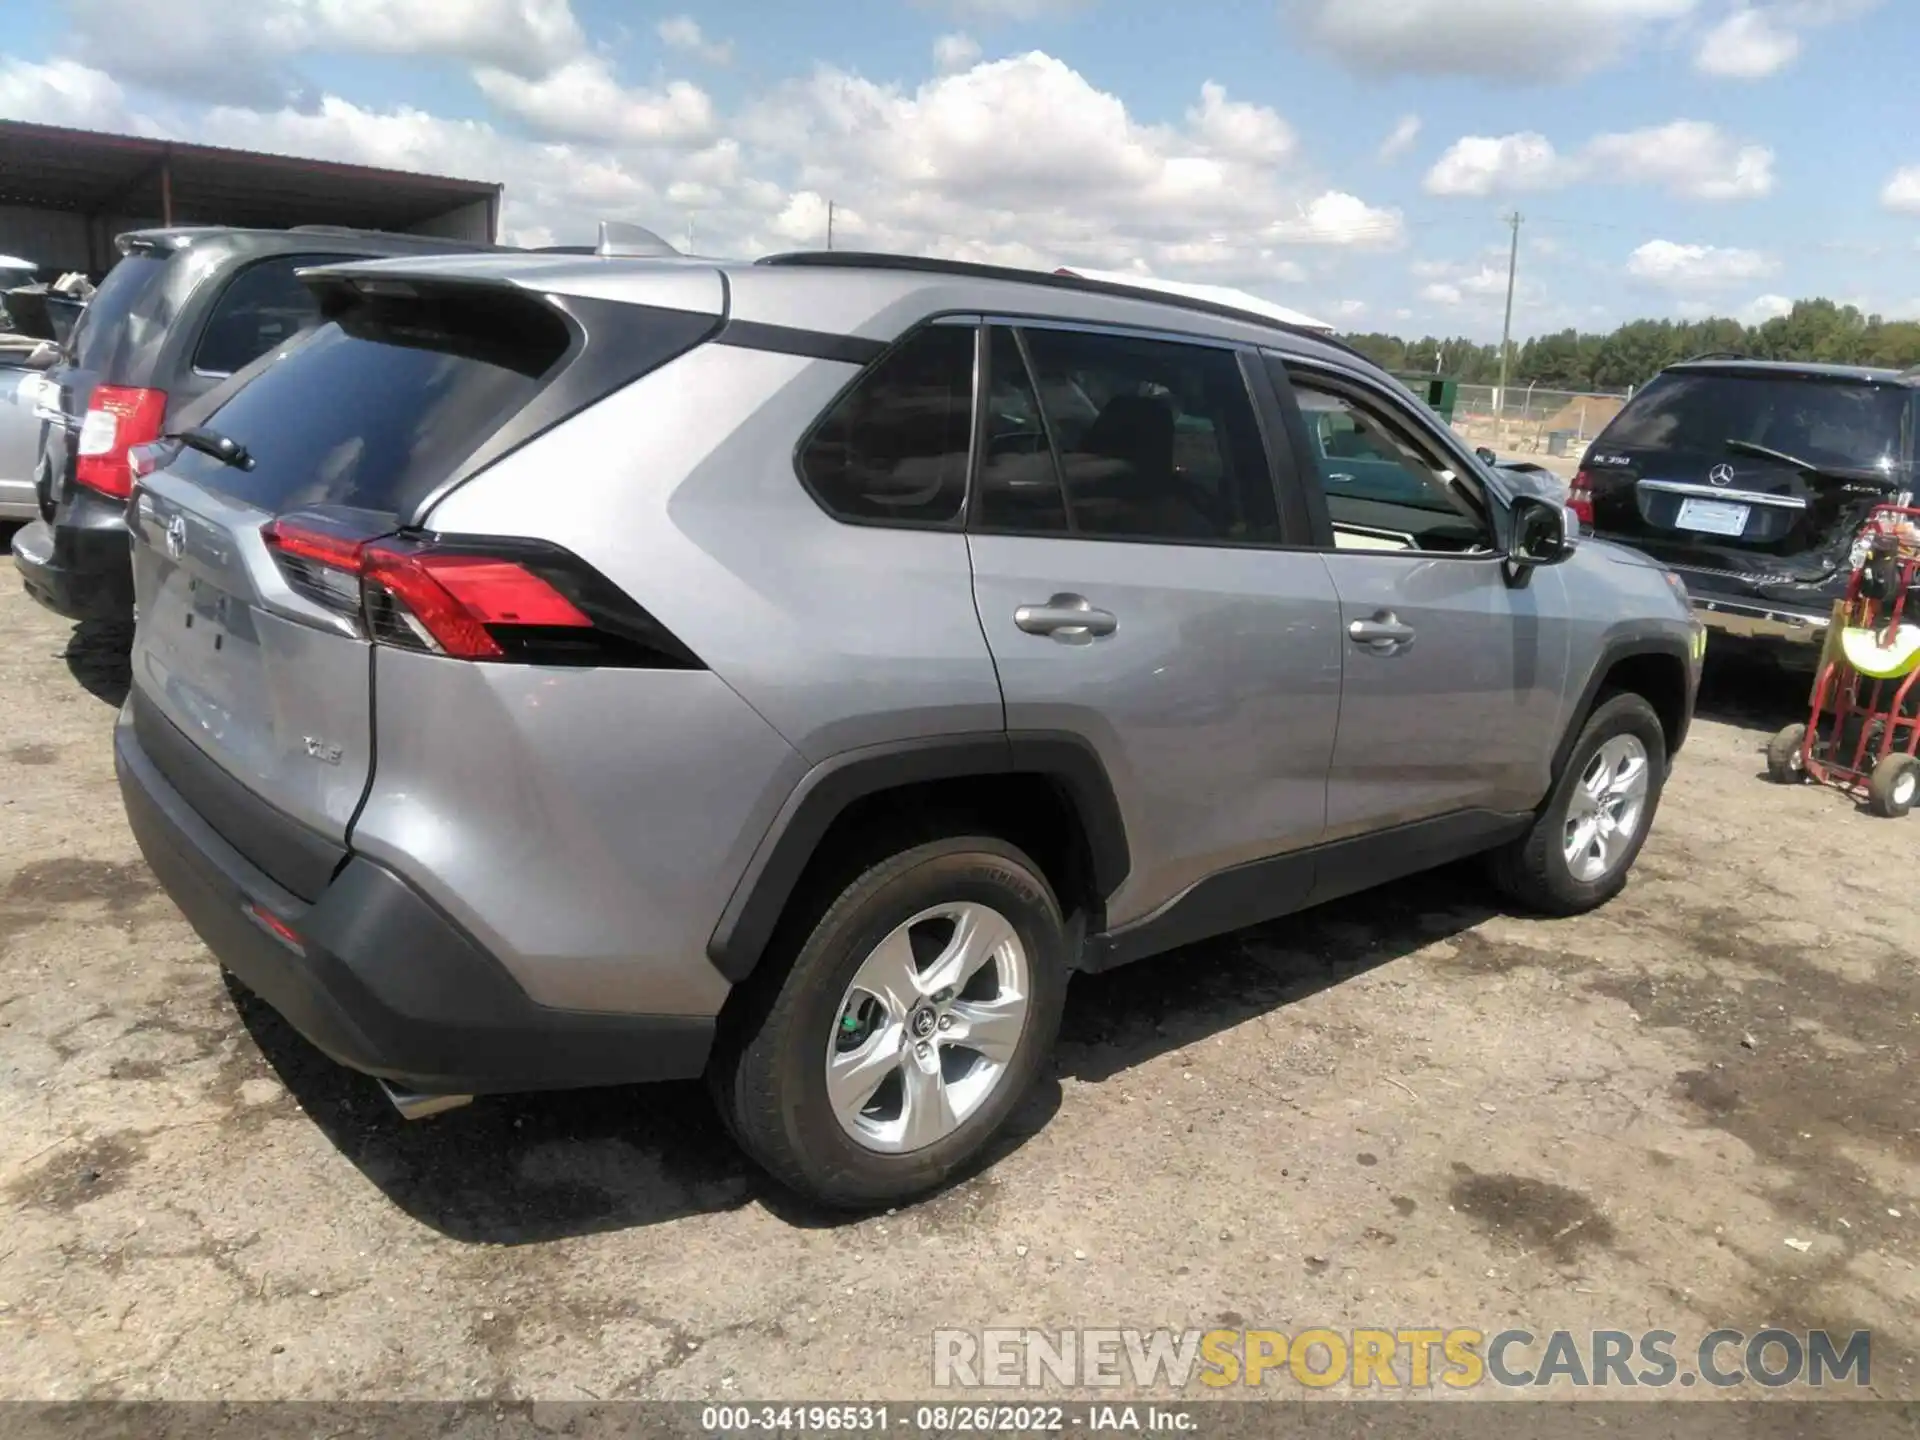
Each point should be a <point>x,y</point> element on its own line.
<point>64,194</point>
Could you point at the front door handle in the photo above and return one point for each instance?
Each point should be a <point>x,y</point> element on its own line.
<point>1383,634</point>
<point>1069,618</point>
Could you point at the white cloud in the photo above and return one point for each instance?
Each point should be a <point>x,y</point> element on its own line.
<point>1691,158</point>
<point>1747,45</point>
<point>683,33</point>
<point>1236,130</point>
<point>1441,294</point>
<point>1337,218</point>
<point>581,100</point>
<point>1485,164</point>
<point>241,51</point>
<point>955,52</point>
<point>62,92</point>
<point>1755,40</point>
<point>1766,307</point>
<point>1507,40</point>
<point>1697,267</point>
<point>1401,139</point>
<point>1350,309</point>
<point>1023,161</point>
<point>1901,193</point>
<point>1017,10</point>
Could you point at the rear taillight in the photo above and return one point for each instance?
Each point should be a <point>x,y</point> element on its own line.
<point>470,598</point>
<point>1580,498</point>
<point>118,418</point>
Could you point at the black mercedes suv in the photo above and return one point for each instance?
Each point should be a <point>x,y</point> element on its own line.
<point>1751,479</point>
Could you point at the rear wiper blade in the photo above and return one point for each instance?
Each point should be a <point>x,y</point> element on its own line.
<point>211,442</point>
<point>1848,473</point>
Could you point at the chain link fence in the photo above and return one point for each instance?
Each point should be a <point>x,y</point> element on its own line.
<point>1527,420</point>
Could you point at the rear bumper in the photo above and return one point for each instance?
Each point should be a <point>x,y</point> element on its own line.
<point>80,565</point>
<point>377,977</point>
<point>1742,620</point>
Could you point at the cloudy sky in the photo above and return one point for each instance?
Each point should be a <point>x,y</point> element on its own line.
<point>1352,158</point>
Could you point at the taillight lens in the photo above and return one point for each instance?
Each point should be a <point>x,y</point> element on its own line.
<point>118,418</point>
<point>470,599</point>
<point>1580,498</point>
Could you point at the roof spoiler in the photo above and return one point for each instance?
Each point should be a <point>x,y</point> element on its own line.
<point>631,242</point>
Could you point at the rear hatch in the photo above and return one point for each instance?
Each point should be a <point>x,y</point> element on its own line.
<point>1665,478</point>
<point>118,327</point>
<point>274,552</point>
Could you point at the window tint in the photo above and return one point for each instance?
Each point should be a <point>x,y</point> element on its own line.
<point>1826,421</point>
<point>1019,482</point>
<point>261,306</point>
<point>126,313</point>
<point>894,448</point>
<point>1384,489</point>
<point>1155,440</point>
<point>378,407</point>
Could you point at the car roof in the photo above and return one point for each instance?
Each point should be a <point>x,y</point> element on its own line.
<point>877,296</point>
<point>1795,369</point>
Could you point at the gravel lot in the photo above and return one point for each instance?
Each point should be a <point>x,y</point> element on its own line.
<point>1407,1109</point>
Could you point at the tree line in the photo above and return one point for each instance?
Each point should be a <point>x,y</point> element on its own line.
<point>1638,350</point>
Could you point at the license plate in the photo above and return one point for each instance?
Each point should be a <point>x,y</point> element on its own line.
<point>1712,517</point>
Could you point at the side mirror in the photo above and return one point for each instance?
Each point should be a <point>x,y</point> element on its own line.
<point>1486,456</point>
<point>43,356</point>
<point>1542,533</point>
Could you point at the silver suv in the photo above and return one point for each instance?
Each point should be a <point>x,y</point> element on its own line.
<point>557,671</point>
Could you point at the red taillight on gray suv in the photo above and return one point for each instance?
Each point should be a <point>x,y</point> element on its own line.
<point>469,598</point>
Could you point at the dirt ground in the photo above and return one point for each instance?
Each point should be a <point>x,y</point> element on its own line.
<point>1407,1109</point>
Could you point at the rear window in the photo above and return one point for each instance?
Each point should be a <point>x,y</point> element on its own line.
<point>380,405</point>
<point>124,315</point>
<point>1829,422</point>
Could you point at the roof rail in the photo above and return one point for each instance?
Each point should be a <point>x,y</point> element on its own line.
<point>632,241</point>
<point>879,260</point>
<point>1717,355</point>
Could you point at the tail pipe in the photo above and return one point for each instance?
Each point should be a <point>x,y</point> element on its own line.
<point>416,1105</point>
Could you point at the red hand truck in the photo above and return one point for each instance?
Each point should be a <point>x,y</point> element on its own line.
<point>1863,734</point>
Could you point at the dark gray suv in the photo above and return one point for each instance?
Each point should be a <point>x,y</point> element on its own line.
<point>183,311</point>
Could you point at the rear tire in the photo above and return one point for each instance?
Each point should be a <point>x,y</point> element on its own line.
<point>1785,762</point>
<point>1578,854</point>
<point>1893,786</point>
<point>891,928</point>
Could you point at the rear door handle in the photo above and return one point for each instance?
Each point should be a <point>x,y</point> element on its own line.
<point>1071,618</point>
<point>1383,634</point>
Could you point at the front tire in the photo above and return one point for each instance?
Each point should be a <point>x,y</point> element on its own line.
<point>915,1013</point>
<point>1588,834</point>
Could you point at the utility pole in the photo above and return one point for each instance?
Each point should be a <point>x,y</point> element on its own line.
<point>829,224</point>
<point>1506,328</point>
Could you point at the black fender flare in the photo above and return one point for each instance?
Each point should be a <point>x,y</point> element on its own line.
<point>1612,651</point>
<point>824,793</point>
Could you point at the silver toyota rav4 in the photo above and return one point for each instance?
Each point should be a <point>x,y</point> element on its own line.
<point>573,670</point>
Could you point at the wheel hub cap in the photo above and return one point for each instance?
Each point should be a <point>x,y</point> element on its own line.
<point>928,1027</point>
<point>1607,808</point>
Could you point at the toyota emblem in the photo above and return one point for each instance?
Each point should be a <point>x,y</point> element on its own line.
<point>176,536</point>
<point>1721,475</point>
